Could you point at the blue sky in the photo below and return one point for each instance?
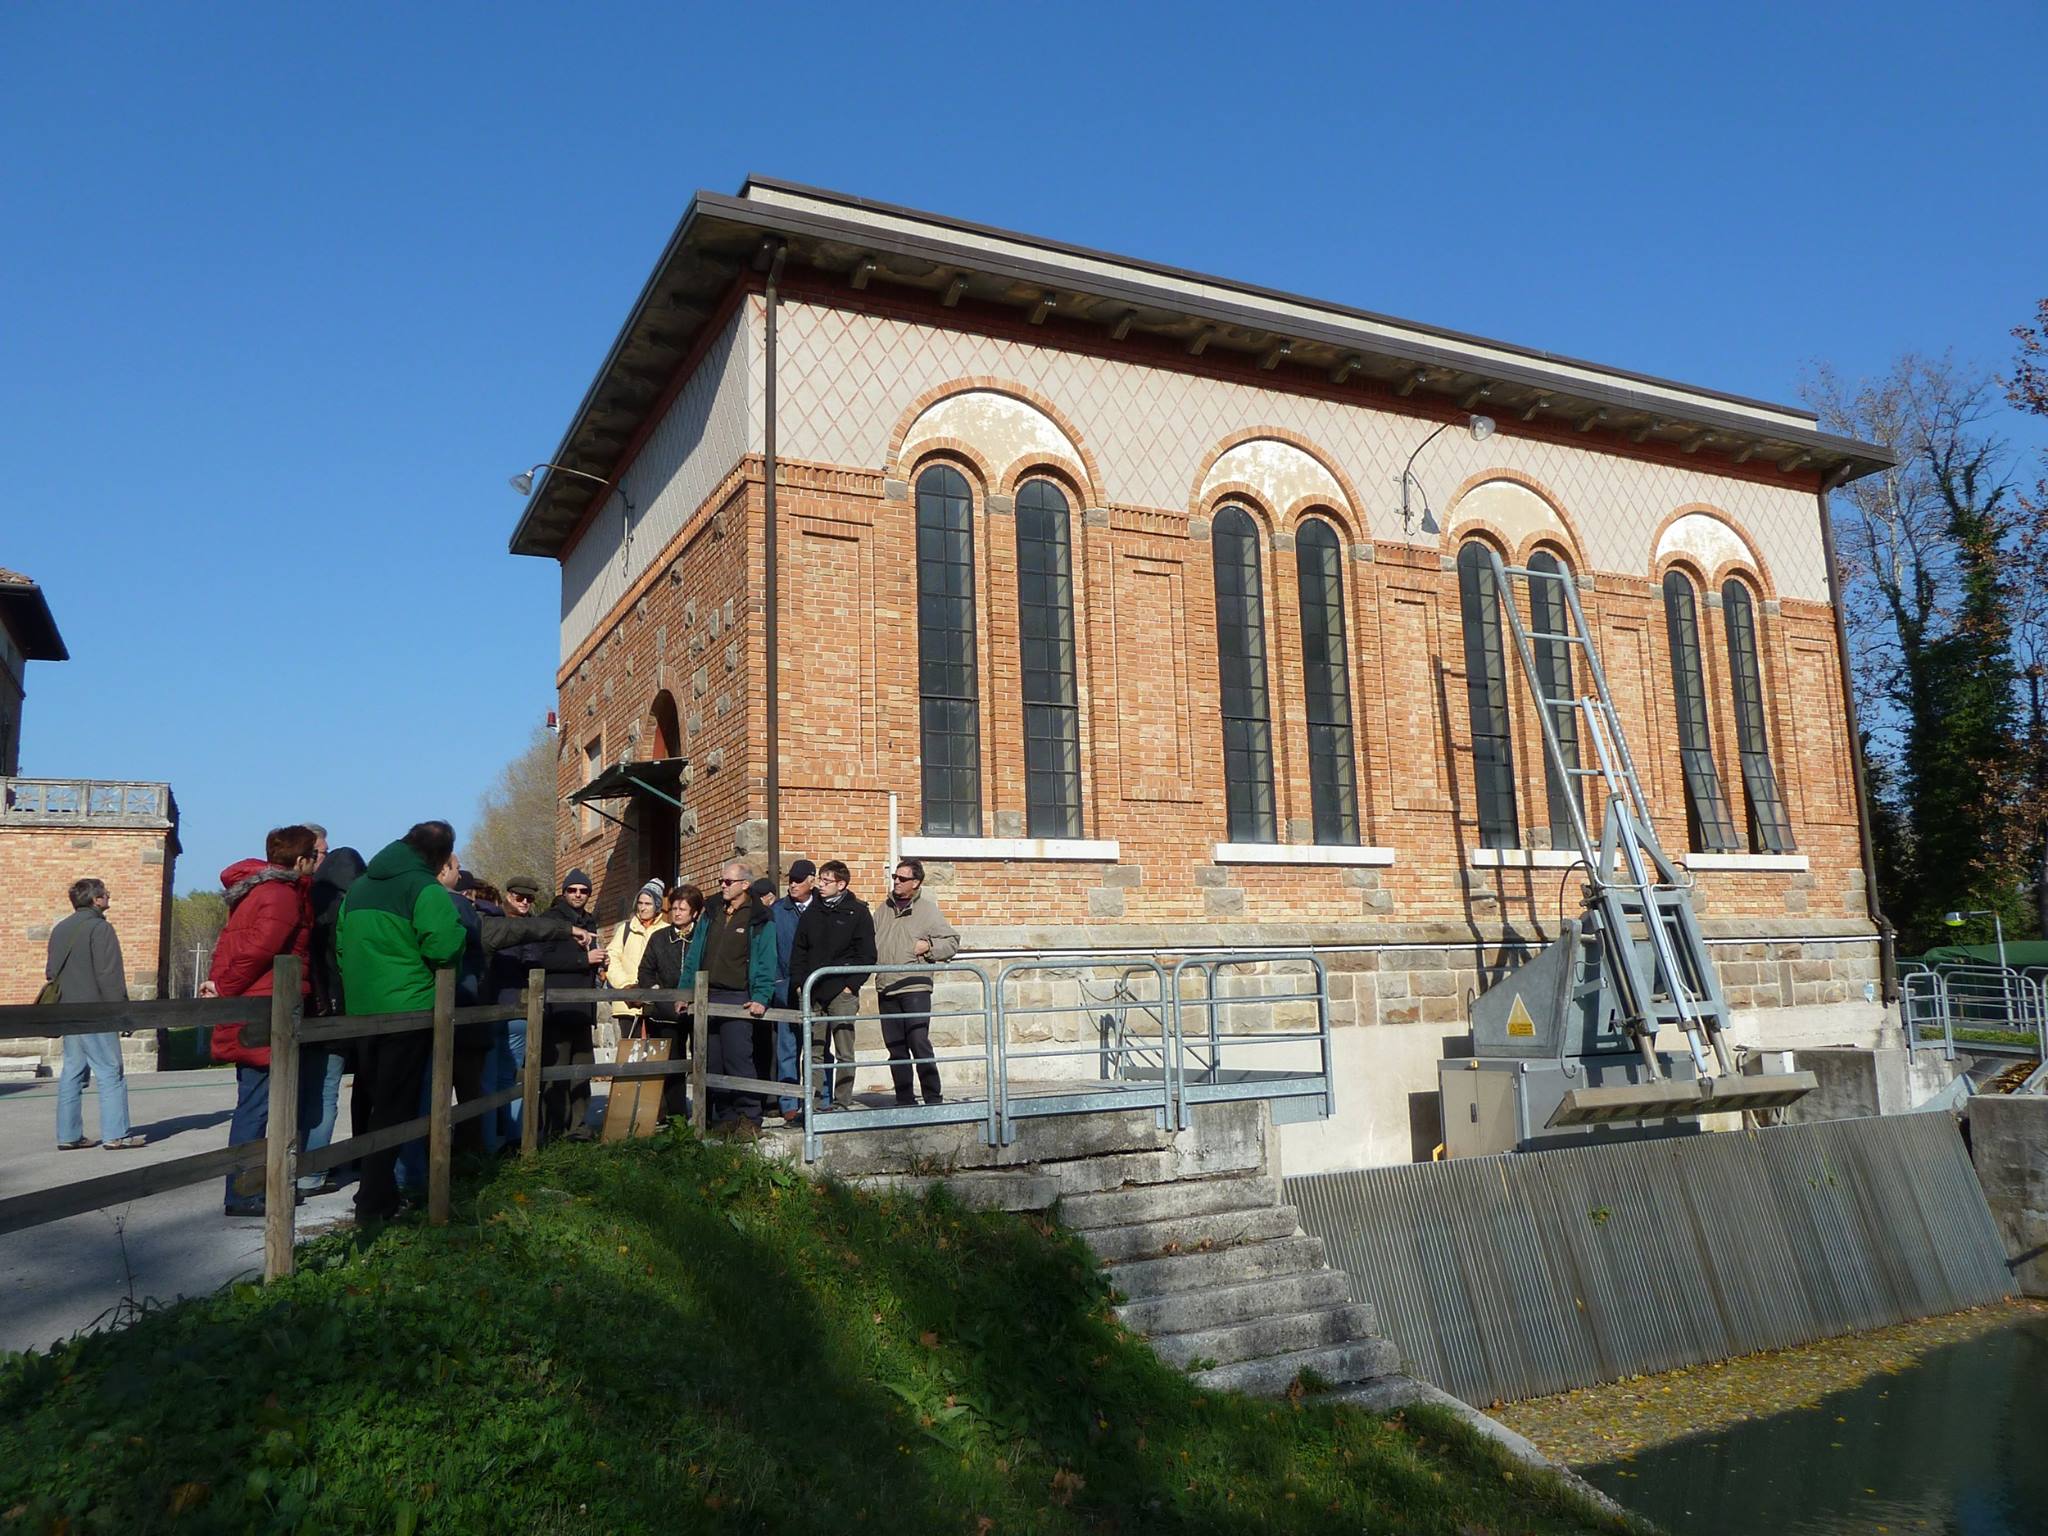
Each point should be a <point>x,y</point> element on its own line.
<point>286,292</point>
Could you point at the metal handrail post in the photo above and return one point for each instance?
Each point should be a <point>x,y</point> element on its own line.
<point>1322,975</point>
<point>996,1049</point>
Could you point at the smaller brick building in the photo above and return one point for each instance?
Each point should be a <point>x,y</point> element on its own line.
<point>55,831</point>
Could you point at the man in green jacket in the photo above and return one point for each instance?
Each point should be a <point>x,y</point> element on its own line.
<point>734,944</point>
<point>398,926</point>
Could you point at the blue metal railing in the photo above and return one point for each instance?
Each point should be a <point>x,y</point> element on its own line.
<point>1203,1051</point>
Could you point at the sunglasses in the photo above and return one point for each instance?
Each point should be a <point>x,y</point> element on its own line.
<point>575,890</point>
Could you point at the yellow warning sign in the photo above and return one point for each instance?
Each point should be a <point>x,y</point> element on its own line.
<point>1519,1022</point>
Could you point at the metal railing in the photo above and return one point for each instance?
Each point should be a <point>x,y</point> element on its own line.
<point>1990,1009</point>
<point>1198,1050</point>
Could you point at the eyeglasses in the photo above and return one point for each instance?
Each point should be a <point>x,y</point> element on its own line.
<point>732,879</point>
<point>575,890</point>
<point>901,878</point>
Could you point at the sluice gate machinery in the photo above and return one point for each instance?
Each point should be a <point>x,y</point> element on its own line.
<point>1565,1045</point>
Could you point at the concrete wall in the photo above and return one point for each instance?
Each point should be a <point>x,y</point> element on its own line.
<point>2009,1143</point>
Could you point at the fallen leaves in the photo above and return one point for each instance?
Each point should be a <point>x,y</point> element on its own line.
<point>1065,1484</point>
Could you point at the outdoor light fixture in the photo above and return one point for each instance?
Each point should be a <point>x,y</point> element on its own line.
<point>523,484</point>
<point>1481,428</point>
<point>1957,919</point>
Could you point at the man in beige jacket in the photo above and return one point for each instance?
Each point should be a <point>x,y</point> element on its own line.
<point>910,927</point>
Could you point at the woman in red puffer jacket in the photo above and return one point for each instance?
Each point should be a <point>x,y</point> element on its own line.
<point>270,913</point>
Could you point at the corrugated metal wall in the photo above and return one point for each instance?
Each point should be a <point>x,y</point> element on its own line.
<point>1515,1276</point>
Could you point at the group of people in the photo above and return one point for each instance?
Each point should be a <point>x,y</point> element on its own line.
<point>813,945</point>
<point>371,936</point>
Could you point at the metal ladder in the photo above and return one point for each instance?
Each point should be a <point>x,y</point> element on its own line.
<point>1641,909</point>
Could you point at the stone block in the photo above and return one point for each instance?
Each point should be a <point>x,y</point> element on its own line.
<point>1433,983</point>
<point>1105,903</point>
<point>1211,875</point>
<point>1795,901</point>
<point>1126,876</point>
<point>2009,1144</point>
<point>1009,823</point>
<point>1223,901</point>
<point>1393,984</point>
<point>1443,1010</point>
<point>1400,1013</point>
<point>1362,879</point>
<point>750,836</point>
<point>1378,901</point>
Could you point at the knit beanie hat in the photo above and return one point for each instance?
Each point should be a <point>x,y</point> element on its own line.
<point>575,877</point>
<point>655,889</point>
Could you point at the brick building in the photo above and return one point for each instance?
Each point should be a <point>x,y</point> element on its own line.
<point>1148,609</point>
<point>55,831</point>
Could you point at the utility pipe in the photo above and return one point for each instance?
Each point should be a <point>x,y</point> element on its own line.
<point>1887,952</point>
<point>774,622</point>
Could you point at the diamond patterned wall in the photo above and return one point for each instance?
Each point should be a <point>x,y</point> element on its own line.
<point>847,378</point>
<point>704,434</point>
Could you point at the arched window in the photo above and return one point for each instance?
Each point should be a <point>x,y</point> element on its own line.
<point>1045,639</point>
<point>1770,829</point>
<point>1706,807</point>
<point>1550,614</point>
<point>949,692</point>
<point>1486,699</point>
<point>1241,665</point>
<point>1326,680</point>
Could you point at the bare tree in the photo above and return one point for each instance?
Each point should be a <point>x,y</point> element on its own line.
<point>514,832</point>
<point>197,918</point>
<point>1936,596</point>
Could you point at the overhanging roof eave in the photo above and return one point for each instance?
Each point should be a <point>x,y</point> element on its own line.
<point>550,517</point>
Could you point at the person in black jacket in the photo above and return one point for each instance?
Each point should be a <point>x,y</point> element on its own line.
<point>835,929</point>
<point>568,1030</point>
<point>661,966</point>
<point>337,871</point>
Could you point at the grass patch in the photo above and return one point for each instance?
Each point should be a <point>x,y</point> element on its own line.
<point>670,1335</point>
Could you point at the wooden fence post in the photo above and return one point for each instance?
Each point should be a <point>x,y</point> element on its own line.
<point>281,1136</point>
<point>440,1134</point>
<point>529,1116</point>
<point>700,1036</point>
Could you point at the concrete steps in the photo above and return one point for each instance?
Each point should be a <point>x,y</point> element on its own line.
<point>1259,1338</point>
<point>1161,1202</point>
<point>1192,1234</point>
<point>1338,1364</point>
<point>1143,1278</point>
<point>1198,1311</point>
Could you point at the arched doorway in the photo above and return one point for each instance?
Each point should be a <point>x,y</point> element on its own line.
<point>660,822</point>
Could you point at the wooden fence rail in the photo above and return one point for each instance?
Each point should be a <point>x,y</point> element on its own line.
<point>278,1154</point>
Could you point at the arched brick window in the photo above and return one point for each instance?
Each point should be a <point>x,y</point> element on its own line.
<point>1770,829</point>
<point>950,696</point>
<point>1550,614</point>
<point>1045,639</point>
<point>1326,682</point>
<point>1706,806</point>
<point>1486,699</point>
<point>1241,666</point>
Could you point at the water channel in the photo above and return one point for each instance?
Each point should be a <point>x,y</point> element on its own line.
<point>1957,1442</point>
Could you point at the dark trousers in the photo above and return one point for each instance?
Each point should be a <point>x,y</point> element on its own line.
<point>907,1031</point>
<point>731,1054</point>
<point>469,1084</point>
<point>675,1088</point>
<point>398,1064</point>
<point>566,1041</point>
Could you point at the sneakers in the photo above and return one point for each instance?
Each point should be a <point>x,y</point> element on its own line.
<point>127,1143</point>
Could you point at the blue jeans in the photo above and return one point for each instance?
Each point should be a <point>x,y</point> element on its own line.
<point>99,1056</point>
<point>789,1063</point>
<point>319,1102</point>
<point>252,1118</point>
<point>412,1157</point>
<point>509,1059</point>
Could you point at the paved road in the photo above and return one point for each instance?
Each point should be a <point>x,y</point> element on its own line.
<point>70,1275</point>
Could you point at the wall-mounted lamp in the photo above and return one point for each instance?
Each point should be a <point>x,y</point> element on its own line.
<point>1481,428</point>
<point>523,484</point>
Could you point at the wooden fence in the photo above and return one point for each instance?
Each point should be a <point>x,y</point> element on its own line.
<point>278,1155</point>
